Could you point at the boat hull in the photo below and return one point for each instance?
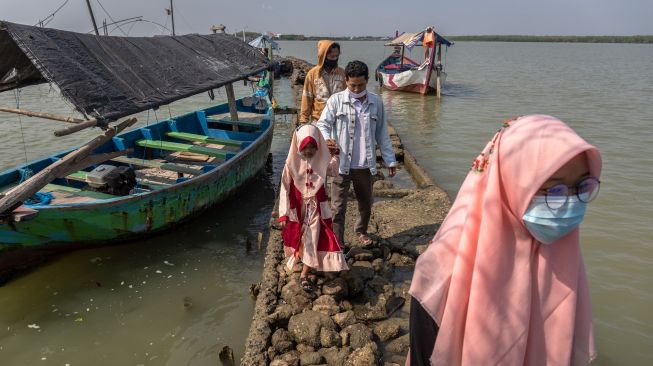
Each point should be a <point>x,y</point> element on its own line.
<point>140,214</point>
<point>409,81</point>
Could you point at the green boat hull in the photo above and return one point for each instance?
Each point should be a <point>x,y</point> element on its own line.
<point>136,215</point>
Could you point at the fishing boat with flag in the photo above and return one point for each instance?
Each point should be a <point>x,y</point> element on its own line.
<point>123,185</point>
<point>399,72</point>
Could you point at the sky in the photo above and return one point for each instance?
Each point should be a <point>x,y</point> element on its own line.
<point>348,17</point>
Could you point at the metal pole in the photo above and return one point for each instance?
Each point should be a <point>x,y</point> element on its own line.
<point>90,10</point>
<point>172,15</point>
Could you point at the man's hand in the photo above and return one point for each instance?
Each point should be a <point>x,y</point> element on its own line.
<point>392,171</point>
<point>282,224</point>
<point>333,146</point>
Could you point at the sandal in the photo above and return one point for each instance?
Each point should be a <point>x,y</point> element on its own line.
<point>307,285</point>
<point>365,240</point>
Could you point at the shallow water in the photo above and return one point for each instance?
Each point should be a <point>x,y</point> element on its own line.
<point>173,299</point>
<point>603,91</point>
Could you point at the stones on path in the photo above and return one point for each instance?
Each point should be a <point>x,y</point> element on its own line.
<point>356,317</point>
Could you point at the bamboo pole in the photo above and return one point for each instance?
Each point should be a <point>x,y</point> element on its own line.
<point>172,16</point>
<point>271,72</point>
<point>14,197</point>
<point>75,128</point>
<point>90,10</point>
<point>51,116</point>
<point>438,80</point>
<point>233,110</point>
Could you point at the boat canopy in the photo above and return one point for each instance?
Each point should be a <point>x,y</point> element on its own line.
<point>262,41</point>
<point>108,77</point>
<point>410,40</point>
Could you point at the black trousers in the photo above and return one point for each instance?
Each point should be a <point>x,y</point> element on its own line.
<point>423,331</point>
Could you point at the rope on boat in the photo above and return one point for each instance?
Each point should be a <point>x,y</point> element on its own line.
<point>20,121</point>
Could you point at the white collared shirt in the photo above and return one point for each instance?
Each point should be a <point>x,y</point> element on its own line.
<point>358,158</point>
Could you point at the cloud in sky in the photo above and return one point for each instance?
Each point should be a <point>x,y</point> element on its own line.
<point>349,17</point>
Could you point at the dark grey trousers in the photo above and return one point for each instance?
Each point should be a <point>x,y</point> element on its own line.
<point>362,180</point>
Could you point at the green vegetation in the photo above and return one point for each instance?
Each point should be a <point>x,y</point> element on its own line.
<point>301,37</point>
<point>568,39</point>
<point>490,38</point>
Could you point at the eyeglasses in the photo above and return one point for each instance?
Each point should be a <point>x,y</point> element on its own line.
<point>586,190</point>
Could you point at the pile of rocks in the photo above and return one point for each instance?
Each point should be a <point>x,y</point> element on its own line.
<point>357,317</point>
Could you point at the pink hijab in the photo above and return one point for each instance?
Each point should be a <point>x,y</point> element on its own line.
<point>301,169</point>
<point>498,296</point>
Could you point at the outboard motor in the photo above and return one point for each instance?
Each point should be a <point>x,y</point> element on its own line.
<point>114,180</point>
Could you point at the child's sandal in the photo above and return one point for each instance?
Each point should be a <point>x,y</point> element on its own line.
<point>306,284</point>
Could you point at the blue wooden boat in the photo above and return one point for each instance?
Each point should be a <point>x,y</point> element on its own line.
<point>219,161</point>
<point>142,181</point>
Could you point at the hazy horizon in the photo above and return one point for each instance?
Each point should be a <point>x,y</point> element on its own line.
<point>340,18</point>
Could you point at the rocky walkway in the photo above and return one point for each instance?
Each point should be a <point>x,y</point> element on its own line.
<point>356,317</point>
<point>359,317</point>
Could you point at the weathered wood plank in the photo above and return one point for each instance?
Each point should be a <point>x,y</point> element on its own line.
<point>179,168</point>
<point>14,197</point>
<point>206,139</point>
<point>175,146</point>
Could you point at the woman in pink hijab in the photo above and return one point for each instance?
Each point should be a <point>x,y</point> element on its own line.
<point>503,280</point>
<point>304,210</point>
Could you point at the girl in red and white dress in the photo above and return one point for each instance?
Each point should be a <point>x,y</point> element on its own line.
<point>304,209</point>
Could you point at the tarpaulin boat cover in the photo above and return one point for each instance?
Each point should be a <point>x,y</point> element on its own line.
<point>108,77</point>
<point>410,40</point>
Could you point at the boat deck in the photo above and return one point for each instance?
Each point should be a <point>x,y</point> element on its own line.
<point>165,154</point>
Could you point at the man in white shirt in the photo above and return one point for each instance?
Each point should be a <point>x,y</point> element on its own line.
<point>354,121</point>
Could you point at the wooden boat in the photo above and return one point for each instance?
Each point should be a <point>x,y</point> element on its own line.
<point>399,72</point>
<point>121,186</point>
<point>205,160</point>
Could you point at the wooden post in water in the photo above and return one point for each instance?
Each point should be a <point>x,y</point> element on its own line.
<point>271,71</point>
<point>233,110</point>
<point>438,80</point>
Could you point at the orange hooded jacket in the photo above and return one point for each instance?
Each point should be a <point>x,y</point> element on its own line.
<point>316,89</point>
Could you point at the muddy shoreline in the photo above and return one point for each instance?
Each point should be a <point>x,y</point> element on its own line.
<point>360,316</point>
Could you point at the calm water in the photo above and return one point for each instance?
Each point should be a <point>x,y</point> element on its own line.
<point>174,299</point>
<point>605,93</point>
<point>87,314</point>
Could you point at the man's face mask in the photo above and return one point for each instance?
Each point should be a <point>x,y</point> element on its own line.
<point>330,64</point>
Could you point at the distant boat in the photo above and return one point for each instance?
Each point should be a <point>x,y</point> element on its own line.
<point>399,72</point>
<point>123,186</point>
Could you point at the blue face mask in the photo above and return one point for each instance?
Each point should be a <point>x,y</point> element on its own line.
<point>548,225</point>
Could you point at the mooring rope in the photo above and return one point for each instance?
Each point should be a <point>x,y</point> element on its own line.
<point>20,121</point>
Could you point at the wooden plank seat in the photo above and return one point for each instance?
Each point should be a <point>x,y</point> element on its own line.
<point>178,168</point>
<point>175,146</point>
<point>206,139</point>
<point>80,176</point>
<point>76,191</point>
<point>246,119</point>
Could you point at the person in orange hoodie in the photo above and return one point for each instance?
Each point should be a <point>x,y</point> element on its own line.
<point>322,81</point>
